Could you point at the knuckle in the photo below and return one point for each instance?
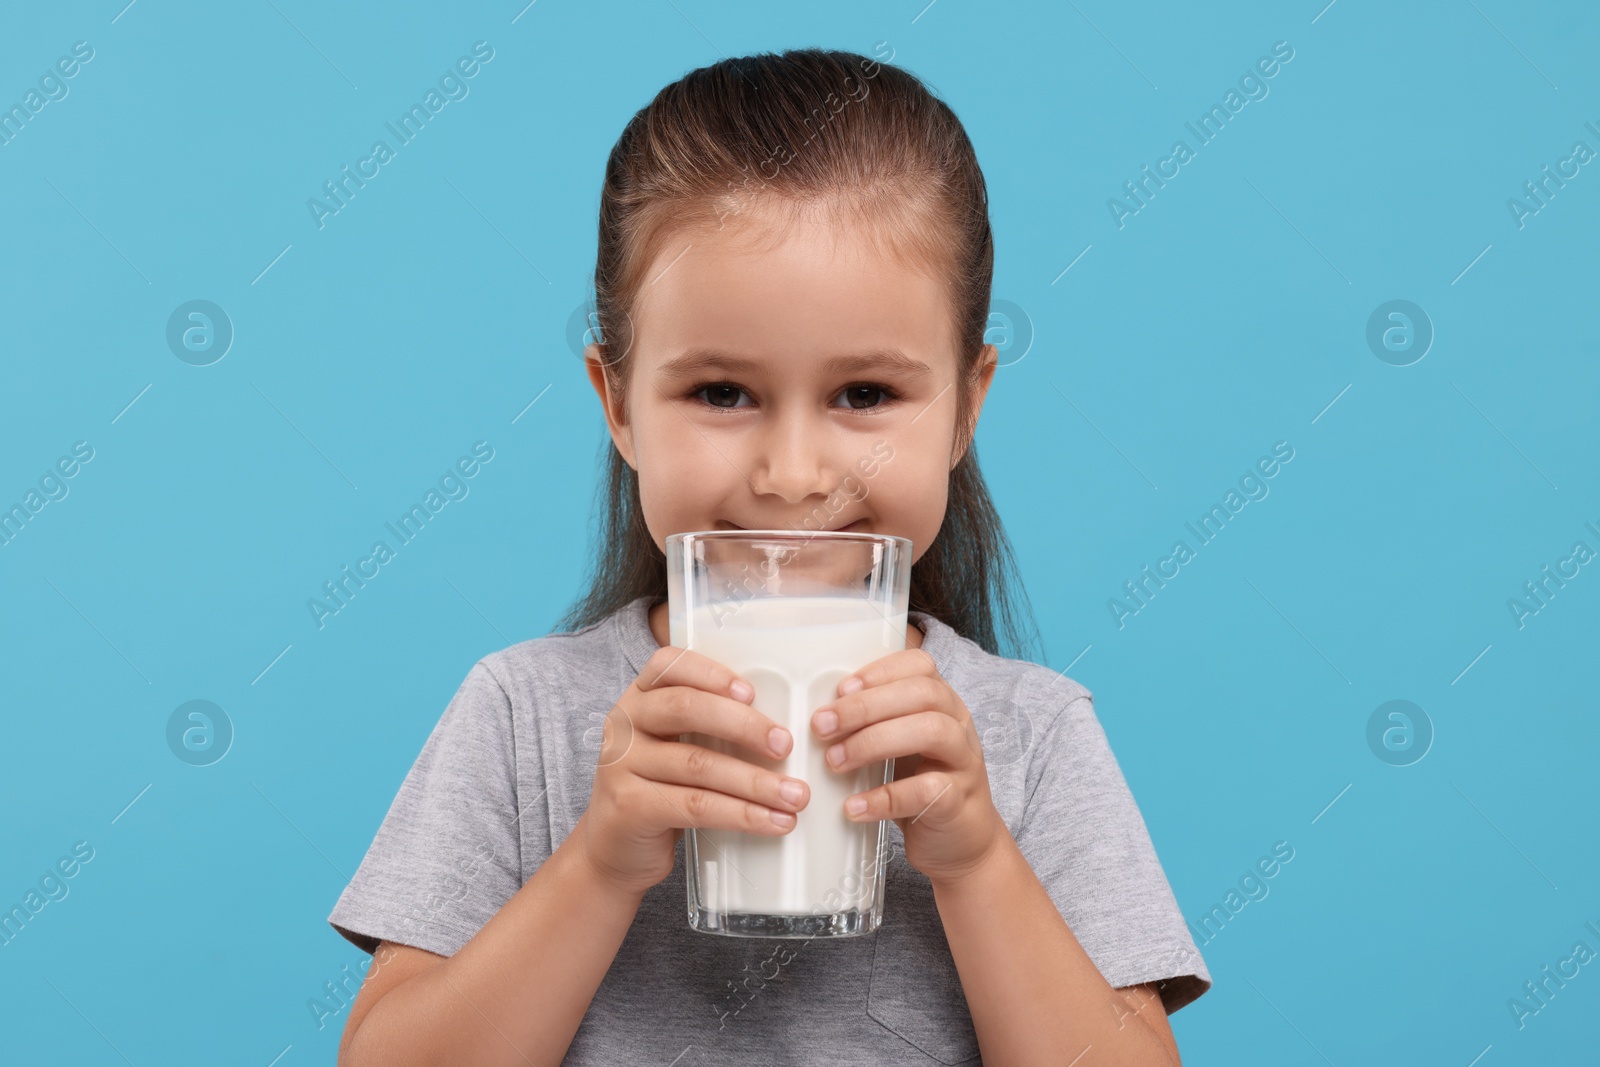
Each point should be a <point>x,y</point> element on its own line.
<point>699,761</point>
<point>698,803</point>
<point>624,795</point>
<point>756,817</point>
<point>665,664</point>
<point>658,662</point>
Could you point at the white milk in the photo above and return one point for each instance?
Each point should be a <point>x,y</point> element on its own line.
<point>794,650</point>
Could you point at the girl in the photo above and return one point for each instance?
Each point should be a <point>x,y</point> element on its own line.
<point>792,288</point>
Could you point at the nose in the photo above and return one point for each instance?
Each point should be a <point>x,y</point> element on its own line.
<point>791,460</point>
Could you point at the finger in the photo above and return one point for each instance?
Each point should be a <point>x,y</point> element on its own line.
<point>669,666</point>
<point>928,734</point>
<point>902,696</point>
<point>680,807</point>
<point>930,794</point>
<point>681,712</point>
<point>684,763</point>
<point>895,665</point>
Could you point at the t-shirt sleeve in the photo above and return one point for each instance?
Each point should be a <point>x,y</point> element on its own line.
<point>1084,837</point>
<point>446,856</point>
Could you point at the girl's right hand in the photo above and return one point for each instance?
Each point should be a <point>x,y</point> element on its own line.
<point>649,786</point>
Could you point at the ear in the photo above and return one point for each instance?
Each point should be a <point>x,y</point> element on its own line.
<point>614,406</point>
<point>983,377</point>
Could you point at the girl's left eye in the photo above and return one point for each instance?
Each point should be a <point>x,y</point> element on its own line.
<point>859,397</point>
<point>854,393</point>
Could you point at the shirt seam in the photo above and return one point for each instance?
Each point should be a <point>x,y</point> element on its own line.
<point>1048,735</point>
<point>516,778</point>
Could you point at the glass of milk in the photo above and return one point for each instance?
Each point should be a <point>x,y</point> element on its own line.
<point>793,612</point>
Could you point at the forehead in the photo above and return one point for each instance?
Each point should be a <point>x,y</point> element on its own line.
<point>798,288</point>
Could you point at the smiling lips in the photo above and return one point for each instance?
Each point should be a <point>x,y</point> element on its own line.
<point>725,524</point>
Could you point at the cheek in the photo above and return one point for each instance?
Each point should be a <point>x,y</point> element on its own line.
<point>667,482</point>
<point>929,516</point>
<point>927,467</point>
<point>910,492</point>
<point>681,477</point>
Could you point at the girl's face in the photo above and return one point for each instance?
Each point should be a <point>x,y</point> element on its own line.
<point>789,376</point>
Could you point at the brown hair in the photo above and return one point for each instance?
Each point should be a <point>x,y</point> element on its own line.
<point>800,128</point>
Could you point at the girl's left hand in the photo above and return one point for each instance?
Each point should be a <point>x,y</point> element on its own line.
<point>900,707</point>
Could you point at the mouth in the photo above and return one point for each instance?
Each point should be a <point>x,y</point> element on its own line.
<point>724,524</point>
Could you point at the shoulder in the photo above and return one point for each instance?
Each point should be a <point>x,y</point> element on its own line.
<point>553,693</point>
<point>1038,691</point>
<point>556,659</point>
<point>1028,716</point>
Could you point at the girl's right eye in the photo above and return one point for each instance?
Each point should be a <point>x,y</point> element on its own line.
<point>718,394</point>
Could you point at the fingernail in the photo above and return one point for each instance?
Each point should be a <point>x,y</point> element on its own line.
<point>836,754</point>
<point>827,722</point>
<point>783,819</point>
<point>792,791</point>
<point>856,805</point>
<point>742,691</point>
<point>778,739</point>
<point>849,685</point>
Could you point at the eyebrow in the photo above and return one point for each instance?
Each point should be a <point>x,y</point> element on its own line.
<point>698,360</point>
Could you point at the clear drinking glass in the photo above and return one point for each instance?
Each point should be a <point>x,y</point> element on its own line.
<point>794,613</point>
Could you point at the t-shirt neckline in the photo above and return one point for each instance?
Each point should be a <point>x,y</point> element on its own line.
<point>639,643</point>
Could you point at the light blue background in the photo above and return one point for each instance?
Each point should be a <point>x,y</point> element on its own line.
<point>1223,317</point>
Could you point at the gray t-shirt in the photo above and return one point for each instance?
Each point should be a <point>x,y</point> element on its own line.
<point>506,773</point>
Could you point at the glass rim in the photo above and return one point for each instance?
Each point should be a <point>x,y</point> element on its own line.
<point>904,543</point>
